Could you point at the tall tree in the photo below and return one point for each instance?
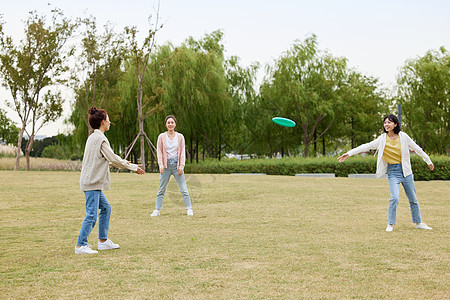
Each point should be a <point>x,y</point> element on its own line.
<point>97,73</point>
<point>33,67</point>
<point>195,86</point>
<point>365,103</point>
<point>424,93</point>
<point>242,90</point>
<point>140,58</point>
<point>306,83</point>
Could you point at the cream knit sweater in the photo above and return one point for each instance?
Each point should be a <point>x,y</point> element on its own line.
<point>98,156</point>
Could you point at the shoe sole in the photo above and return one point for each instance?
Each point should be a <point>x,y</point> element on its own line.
<point>107,249</point>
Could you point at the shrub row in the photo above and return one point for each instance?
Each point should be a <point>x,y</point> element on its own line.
<point>292,166</point>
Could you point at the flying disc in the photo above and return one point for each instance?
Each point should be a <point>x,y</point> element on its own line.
<point>283,122</point>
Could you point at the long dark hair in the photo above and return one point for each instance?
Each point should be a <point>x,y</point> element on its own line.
<point>96,116</point>
<point>393,118</point>
<point>171,117</point>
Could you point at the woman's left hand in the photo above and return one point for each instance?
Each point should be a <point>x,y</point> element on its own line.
<point>180,171</point>
<point>431,167</point>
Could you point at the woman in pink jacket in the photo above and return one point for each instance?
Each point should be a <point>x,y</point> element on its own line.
<point>171,161</point>
<point>393,148</point>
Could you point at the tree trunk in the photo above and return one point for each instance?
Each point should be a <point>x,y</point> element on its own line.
<point>305,152</point>
<point>143,152</point>
<point>19,148</point>
<point>196,151</point>
<point>353,141</point>
<point>220,147</point>
<point>323,145</point>
<point>192,153</point>
<point>315,142</point>
<point>305,142</point>
<point>28,151</point>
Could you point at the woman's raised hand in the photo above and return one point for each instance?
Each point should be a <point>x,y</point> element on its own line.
<point>140,171</point>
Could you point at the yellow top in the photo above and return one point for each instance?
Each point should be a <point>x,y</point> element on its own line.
<point>392,151</point>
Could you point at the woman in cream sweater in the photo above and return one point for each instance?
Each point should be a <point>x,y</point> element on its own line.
<point>95,178</point>
<point>393,148</point>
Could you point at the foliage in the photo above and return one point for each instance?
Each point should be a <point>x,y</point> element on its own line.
<point>366,103</point>
<point>424,93</point>
<point>31,68</point>
<point>8,131</point>
<point>139,57</point>
<point>292,166</point>
<point>305,85</point>
<point>96,76</point>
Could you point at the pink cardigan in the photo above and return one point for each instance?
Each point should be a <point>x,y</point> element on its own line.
<point>162,151</point>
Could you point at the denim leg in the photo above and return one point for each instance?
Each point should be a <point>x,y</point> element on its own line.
<point>181,181</point>
<point>394,182</point>
<point>104,216</point>
<point>163,181</point>
<point>410,191</point>
<point>92,203</point>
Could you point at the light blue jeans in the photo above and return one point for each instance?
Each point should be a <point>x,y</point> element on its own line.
<point>95,200</point>
<point>164,180</point>
<point>395,177</point>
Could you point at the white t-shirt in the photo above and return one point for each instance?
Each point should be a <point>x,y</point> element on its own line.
<point>172,146</point>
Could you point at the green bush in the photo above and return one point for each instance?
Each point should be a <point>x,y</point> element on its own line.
<point>292,166</point>
<point>57,151</point>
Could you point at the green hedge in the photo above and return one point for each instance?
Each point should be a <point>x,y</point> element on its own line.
<point>292,166</point>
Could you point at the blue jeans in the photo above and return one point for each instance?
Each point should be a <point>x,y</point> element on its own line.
<point>164,180</point>
<point>395,177</point>
<point>95,200</point>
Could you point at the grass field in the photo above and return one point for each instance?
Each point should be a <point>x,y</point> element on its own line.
<point>251,237</point>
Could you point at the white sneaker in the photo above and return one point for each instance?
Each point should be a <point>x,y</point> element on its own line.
<point>190,212</point>
<point>155,213</point>
<point>107,245</point>
<point>85,250</point>
<point>423,226</point>
<point>389,228</point>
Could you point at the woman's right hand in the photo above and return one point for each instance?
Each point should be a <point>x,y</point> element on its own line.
<point>343,157</point>
<point>140,171</point>
<point>161,171</point>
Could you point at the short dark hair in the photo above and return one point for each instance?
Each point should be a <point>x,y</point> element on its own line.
<point>96,116</point>
<point>393,118</point>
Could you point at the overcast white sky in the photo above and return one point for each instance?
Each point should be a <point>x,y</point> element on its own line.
<point>376,36</point>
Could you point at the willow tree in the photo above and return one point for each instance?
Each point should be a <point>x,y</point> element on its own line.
<point>195,90</point>
<point>305,82</point>
<point>424,93</point>
<point>32,68</point>
<point>241,89</point>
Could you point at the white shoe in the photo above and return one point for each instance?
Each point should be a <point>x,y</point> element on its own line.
<point>107,245</point>
<point>423,226</point>
<point>190,212</point>
<point>155,213</point>
<point>389,228</point>
<point>85,250</point>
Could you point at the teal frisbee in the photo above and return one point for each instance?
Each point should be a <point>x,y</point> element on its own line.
<point>283,122</point>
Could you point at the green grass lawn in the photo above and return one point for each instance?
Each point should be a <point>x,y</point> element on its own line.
<point>251,237</point>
